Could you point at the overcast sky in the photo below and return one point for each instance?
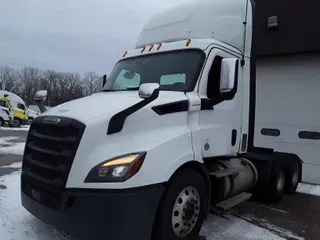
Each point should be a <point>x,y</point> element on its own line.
<point>71,35</point>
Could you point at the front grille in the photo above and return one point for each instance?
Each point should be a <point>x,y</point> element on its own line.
<point>49,154</point>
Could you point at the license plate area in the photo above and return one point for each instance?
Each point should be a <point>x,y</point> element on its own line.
<point>36,195</point>
<point>40,196</point>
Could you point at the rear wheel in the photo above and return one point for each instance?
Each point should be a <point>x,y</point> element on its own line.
<point>183,208</point>
<point>293,176</point>
<point>277,183</point>
<point>16,122</point>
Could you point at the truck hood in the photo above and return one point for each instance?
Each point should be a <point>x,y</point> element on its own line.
<point>98,104</point>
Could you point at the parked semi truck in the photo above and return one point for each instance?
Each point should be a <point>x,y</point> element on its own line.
<point>6,115</point>
<point>187,121</point>
<point>17,106</point>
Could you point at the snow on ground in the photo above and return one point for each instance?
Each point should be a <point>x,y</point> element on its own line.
<point>309,189</point>
<point>21,128</point>
<point>13,165</point>
<point>16,223</point>
<point>9,145</point>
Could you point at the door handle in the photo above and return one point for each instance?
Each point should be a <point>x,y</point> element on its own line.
<point>233,137</point>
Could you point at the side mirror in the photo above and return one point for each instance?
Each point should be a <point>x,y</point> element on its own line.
<point>104,80</point>
<point>147,89</point>
<point>229,74</point>
<point>40,95</point>
<point>39,98</point>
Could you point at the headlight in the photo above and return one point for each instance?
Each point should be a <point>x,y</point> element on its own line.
<point>117,169</point>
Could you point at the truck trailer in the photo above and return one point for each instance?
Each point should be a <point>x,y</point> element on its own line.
<point>210,108</point>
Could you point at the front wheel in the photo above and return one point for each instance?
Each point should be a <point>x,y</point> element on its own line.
<point>2,122</point>
<point>16,122</point>
<point>183,208</point>
<point>30,120</point>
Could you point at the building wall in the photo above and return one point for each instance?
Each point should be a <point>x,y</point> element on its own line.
<point>299,26</point>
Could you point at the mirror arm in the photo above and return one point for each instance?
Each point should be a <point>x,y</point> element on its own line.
<point>104,80</point>
<point>209,103</point>
<point>41,106</point>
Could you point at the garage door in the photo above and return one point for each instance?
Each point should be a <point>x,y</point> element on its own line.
<point>288,109</point>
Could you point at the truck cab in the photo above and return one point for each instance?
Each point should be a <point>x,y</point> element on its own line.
<point>17,106</point>
<point>20,114</point>
<point>170,134</point>
<point>6,115</point>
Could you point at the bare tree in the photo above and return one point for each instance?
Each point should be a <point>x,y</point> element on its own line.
<point>29,82</point>
<point>50,81</point>
<point>91,82</point>
<point>61,86</point>
<point>8,78</point>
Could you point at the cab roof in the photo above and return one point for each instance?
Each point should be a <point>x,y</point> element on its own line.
<point>222,20</point>
<point>11,96</point>
<point>296,25</point>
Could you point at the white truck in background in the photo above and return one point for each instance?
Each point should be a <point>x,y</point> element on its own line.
<point>32,114</point>
<point>17,106</point>
<point>190,119</point>
<point>6,115</point>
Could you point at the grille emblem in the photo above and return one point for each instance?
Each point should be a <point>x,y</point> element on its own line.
<point>51,120</point>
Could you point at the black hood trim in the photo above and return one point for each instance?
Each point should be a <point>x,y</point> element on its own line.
<point>117,121</point>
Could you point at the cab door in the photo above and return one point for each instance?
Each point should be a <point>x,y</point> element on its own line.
<point>221,112</point>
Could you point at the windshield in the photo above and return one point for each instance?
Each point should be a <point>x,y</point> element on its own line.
<point>174,71</point>
<point>4,104</point>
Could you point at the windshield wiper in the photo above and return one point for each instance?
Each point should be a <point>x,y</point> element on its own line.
<point>109,90</point>
<point>133,88</point>
<point>121,90</point>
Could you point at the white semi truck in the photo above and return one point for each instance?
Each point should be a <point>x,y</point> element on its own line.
<point>188,120</point>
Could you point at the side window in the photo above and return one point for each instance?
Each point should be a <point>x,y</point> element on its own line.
<point>3,103</point>
<point>21,106</point>
<point>127,79</point>
<point>213,85</point>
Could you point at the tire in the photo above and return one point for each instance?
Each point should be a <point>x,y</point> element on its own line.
<point>277,183</point>
<point>293,176</point>
<point>183,207</point>
<point>16,122</point>
<point>2,122</point>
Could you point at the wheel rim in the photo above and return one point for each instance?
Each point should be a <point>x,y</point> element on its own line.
<point>295,176</point>
<point>280,181</point>
<point>15,123</point>
<point>185,211</point>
